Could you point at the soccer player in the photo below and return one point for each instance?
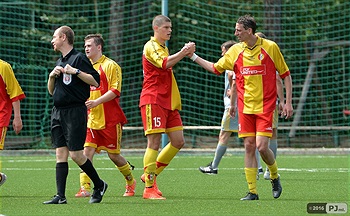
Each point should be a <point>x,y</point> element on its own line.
<point>105,116</point>
<point>160,103</point>
<point>10,96</point>
<point>69,84</point>
<point>228,124</point>
<point>278,110</point>
<point>255,61</point>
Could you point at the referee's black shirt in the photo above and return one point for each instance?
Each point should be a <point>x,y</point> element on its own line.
<point>70,90</point>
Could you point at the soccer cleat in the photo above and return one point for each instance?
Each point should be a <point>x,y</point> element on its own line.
<point>208,169</point>
<point>98,193</point>
<point>260,171</point>
<point>151,193</point>
<point>82,192</point>
<point>251,196</point>
<point>57,199</point>
<point>267,174</point>
<point>276,187</point>
<point>155,186</point>
<point>130,189</point>
<point>3,178</point>
<point>143,178</point>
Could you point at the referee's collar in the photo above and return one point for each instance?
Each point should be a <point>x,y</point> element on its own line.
<point>68,55</point>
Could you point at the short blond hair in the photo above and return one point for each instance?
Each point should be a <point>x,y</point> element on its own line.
<point>159,20</point>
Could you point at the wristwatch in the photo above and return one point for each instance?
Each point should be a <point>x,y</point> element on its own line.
<point>77,72</point>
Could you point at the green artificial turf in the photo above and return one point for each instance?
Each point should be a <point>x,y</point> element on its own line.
<point>304,178</point>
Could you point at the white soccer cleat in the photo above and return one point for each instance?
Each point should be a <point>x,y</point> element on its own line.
<point>3,178</point>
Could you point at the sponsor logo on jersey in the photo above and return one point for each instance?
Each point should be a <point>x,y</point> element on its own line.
<point>253,70</point>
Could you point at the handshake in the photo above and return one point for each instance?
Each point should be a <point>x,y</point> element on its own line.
<point>188,49</point>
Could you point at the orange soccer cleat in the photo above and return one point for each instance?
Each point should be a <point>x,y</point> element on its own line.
<point>130,189</point>
<point>155,186</point>
<point>151,193</point>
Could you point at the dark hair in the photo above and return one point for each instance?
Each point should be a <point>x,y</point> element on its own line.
<point>260,34</point>
<point>98,39</point>
<point>228,44</point>
<point>66,30</point>
<point>248,22</point>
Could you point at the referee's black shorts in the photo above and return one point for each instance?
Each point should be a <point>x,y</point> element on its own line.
<point>68,127</point>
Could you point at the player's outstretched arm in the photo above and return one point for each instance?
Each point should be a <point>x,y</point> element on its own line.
<point>207,65</point>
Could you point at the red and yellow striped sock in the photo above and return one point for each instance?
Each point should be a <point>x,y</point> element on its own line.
<point>165,156</point>
<point>149,166</point>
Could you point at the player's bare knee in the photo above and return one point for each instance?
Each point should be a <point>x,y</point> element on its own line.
<point>178,143</point>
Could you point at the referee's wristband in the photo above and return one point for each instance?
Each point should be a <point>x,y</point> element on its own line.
<point>194,57</point>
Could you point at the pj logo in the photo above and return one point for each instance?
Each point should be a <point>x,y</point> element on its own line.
<point>336,208</point>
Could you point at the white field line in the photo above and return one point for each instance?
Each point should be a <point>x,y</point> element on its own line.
<point>314,170</point>
<point>105,158</point>
<point>99,158</point>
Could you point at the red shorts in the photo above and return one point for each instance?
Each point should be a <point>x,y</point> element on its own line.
<point>3,131</point>
<point>156,119</point>
<point>251,125</point>
<point>108,139</point>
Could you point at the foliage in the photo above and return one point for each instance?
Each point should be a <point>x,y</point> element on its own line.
<point>304,27</point>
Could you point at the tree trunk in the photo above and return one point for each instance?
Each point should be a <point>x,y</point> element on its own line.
<point>272,21</point>
<point>116,30</point>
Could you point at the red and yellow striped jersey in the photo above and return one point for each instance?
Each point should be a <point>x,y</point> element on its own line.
<point>255,70</point>
<point>10,91</point>
<point>109,113</point>
<point>159,83</point>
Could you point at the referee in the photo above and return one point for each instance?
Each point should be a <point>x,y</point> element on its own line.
<point>69,84</point>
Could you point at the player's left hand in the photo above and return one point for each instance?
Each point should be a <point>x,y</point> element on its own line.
<point>287,111</point>
<point>17,125</point>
